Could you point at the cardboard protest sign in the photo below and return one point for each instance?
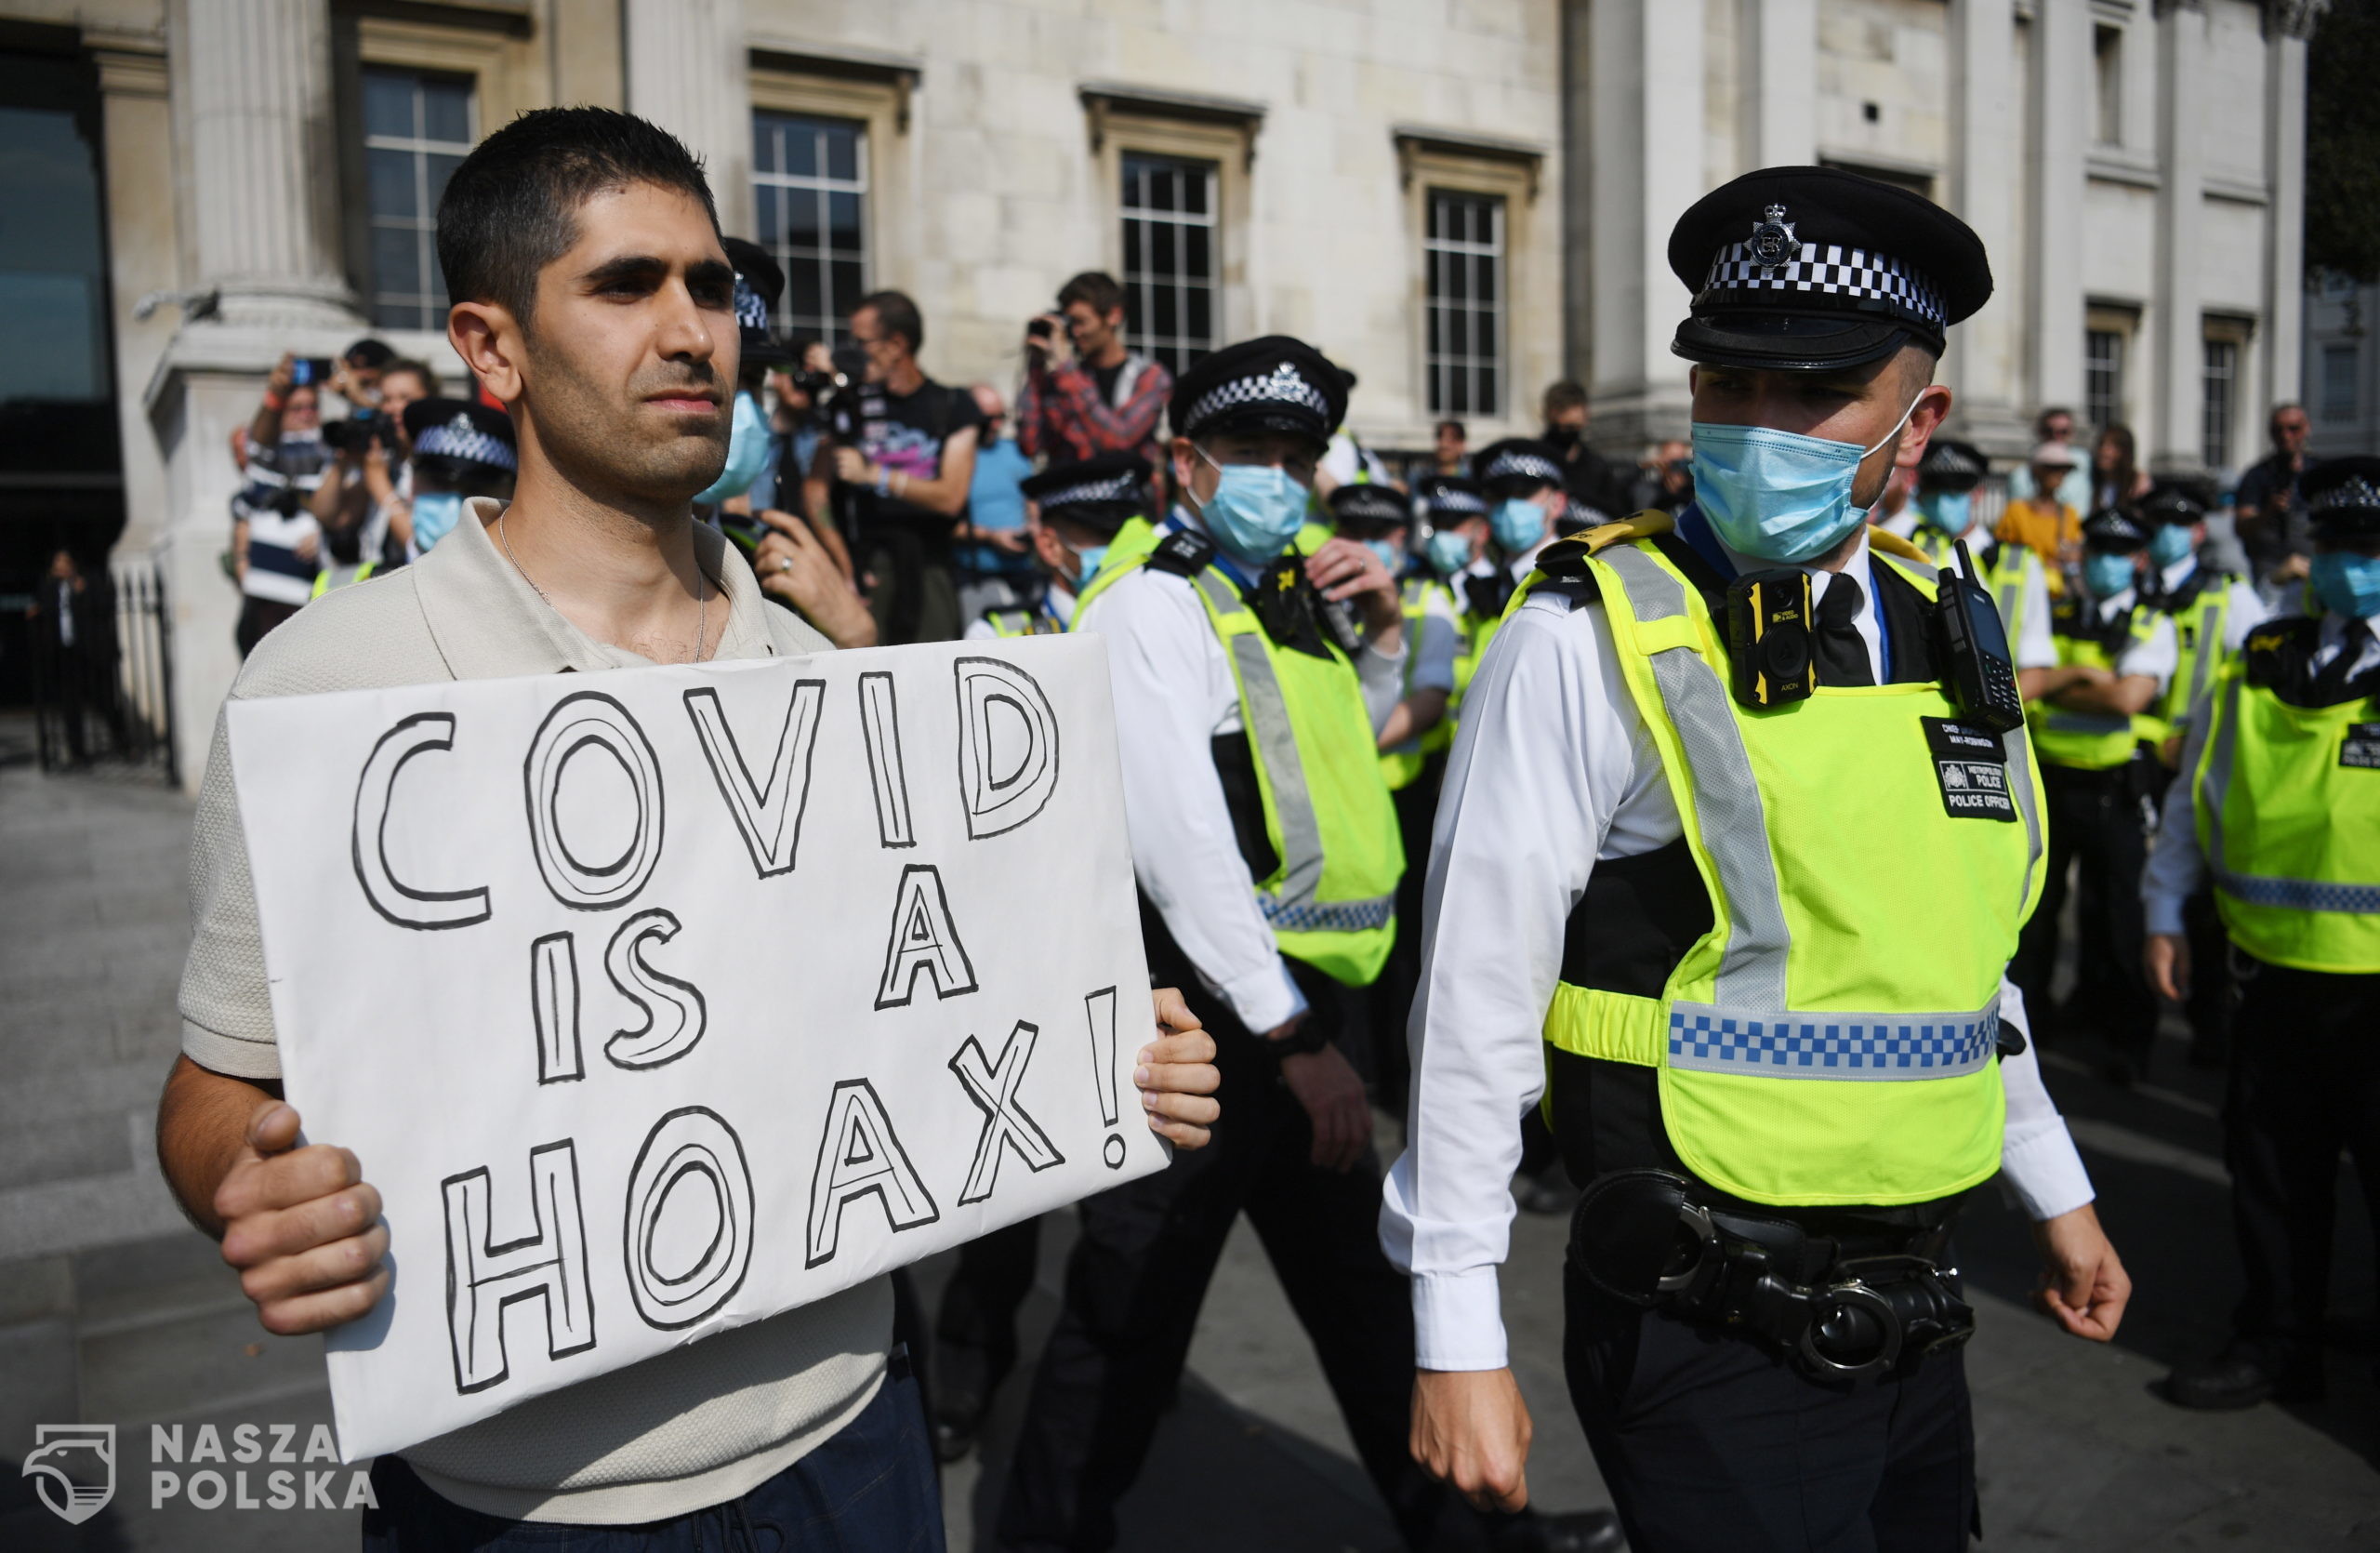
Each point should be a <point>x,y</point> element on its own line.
<point>661,1000</point>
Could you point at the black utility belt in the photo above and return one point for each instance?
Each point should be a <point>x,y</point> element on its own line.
<point>1859,1300</point>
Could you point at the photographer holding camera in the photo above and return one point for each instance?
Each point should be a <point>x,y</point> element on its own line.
<point>276,543</point>
<point>367,493</point>
<point>1084,394</point>
<point>896,463</point>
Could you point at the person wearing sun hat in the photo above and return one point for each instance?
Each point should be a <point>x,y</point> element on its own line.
<point>1701,912</point>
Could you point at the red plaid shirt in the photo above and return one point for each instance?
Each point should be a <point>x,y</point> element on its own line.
<point>1062,415</point>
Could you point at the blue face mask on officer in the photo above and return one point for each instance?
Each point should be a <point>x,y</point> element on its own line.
<point>1256,511</point>
<point>1947,512</point>
<point>1391,554</point>
<point>2170,543</point>
<point>1450,551</point>
<point>1086,562</point>
<point>2105,575</point>
<point>2347,584</point>
<point>747,450</point>
<point>436,513</point>
<point>1517,523</point>
<point>1779,495</point>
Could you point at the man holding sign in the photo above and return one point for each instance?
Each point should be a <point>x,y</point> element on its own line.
<point>593,296</point>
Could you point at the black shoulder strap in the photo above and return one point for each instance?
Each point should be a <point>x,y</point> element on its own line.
<point>1184,552</point>
<point>2277,652</point>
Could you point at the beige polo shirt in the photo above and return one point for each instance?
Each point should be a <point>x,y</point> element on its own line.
<point>693,1426</point>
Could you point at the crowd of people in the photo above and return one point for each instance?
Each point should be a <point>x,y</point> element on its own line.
<point>1619,825</point>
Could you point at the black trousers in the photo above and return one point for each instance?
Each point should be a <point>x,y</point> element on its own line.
<point>2305,1085</point>
<point>2211,995</point>
<point>975,1331</point>
<point>2098,830</point>
<point>1139,1274</point>
<point>1712,1443</point>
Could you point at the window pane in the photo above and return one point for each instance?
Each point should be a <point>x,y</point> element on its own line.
<point>1161,255</point>
<point>387,104</point>
<point>1200,324</point>
<point>389,181</point>
<point>764,146</point>
<point>1131,247</point>
<point>801,229</point>
<point>1195,257</point>
<point>440,168</point>
<point>446,111</point>
<point>805,293</point>
<point>396,261</point>
<point>1167,322</point>
<point>842,221</point>
<point>1194,193</point>
<point>848,287</point>
<point>764,213</point>
<point>1487,400</point>
<point>800,148</point>
<point>842,154</point>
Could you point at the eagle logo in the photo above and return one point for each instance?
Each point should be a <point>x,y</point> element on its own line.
<point>63,1452</point>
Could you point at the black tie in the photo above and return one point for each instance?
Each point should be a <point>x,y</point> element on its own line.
<point>1843,656</point>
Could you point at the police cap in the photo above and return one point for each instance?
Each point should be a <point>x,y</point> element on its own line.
<point>759,284</point>
<point>1814,268</point>
<point>1518,466</point>
<point>2111,531</point>
<point>1953,466</point>
<point>473,438</point>
<point>1271,384</point>
<point>2344,497</point>
<point>1450,498</point>
<point>1098,494</point>
<point>2177,501</point>
<point>1371,507</point>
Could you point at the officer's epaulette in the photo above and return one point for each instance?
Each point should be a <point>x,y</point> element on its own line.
<point>1564,565</point>
<point>2276,653</point>
<point>1184,552</point>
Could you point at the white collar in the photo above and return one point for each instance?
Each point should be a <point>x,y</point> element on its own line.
<point>2179,572</point>
<point>1856,568</point>
<point>1059,599</point>
<point>2116,603</point>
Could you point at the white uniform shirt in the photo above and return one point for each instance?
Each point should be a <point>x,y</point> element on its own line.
<point>2156,655</point>
<point>2243,610</point>
<point>1059,602</point>
<point>1174,695</point>
<point>2176,868</point>
<point>2036,645</point>
<point>1554,768</point>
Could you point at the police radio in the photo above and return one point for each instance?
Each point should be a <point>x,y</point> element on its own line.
<point>1770,638</point>
<point>1980,670</point>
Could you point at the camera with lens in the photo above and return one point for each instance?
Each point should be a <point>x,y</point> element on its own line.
<point>357,433</point>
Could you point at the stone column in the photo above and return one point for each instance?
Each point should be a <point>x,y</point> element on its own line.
<point>1984,366</point>
<point>2060,112</point>
<point>2288,24</point>
<point>142,245</point>
<point>2177,398</point>
<point>1780,54</point>
<point>255,77</point>
<point>1644,166</point>
<point>689,71</point>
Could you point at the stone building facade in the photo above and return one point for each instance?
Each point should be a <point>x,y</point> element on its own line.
<point>1463,200</point>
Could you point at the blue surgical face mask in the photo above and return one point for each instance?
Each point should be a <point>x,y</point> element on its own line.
<point>1256,511</point>
<point>1391,554</point>
<point>1779,495</point>
<point>2347,584</point>
<point>1087,560</point>
<point>2170,543</point>
<point>436,513</point>
<point>1450,551</point>
<point>747,450</point>
<point>1951,513</point>
<point>2106,576</point>
<point>1516,523</point>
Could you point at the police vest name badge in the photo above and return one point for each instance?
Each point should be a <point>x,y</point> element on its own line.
<point>1972,768</point>
<point>2361,746</point>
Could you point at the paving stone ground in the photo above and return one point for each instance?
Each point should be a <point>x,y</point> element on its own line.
<point>113,1310</point>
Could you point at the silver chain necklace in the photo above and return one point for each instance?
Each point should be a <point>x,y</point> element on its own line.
<point>702,617</point>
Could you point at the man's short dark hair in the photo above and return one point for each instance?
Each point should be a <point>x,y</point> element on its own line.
<point>421,370</point>
<point>1568,394</point>
<point>512,208</point>
<point>370,355</point>
<point>1461,432</point>
<point>895,315</point>
<point>1096,288</point>
<point>2040,421</point>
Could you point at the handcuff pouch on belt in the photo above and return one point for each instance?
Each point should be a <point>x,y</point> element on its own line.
<point>1642,1236</point>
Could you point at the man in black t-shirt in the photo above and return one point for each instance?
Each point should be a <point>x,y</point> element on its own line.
<point>2271,514</point>
<point>910,469</point>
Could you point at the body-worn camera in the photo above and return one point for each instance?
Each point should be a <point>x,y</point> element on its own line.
<point>1770,638</point>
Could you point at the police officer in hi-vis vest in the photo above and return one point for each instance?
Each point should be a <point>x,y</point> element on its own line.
<point>1079,511</point>
<point>2092,725</point>
<point>2279,803</point>
<point>1947,478</point>
<point>1738,834</point>
<point>1247,713</point>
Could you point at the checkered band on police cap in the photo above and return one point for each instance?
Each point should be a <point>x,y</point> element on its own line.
<point>751,307</point>
<point>1516,464</point>
<point>460,439</point>
<point>1828,269</point>
<point>1947,461</point>
<point>1454,499</point>
<point>1113,488</point>
<point>1283,385</point>
<point>2355,491</point>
